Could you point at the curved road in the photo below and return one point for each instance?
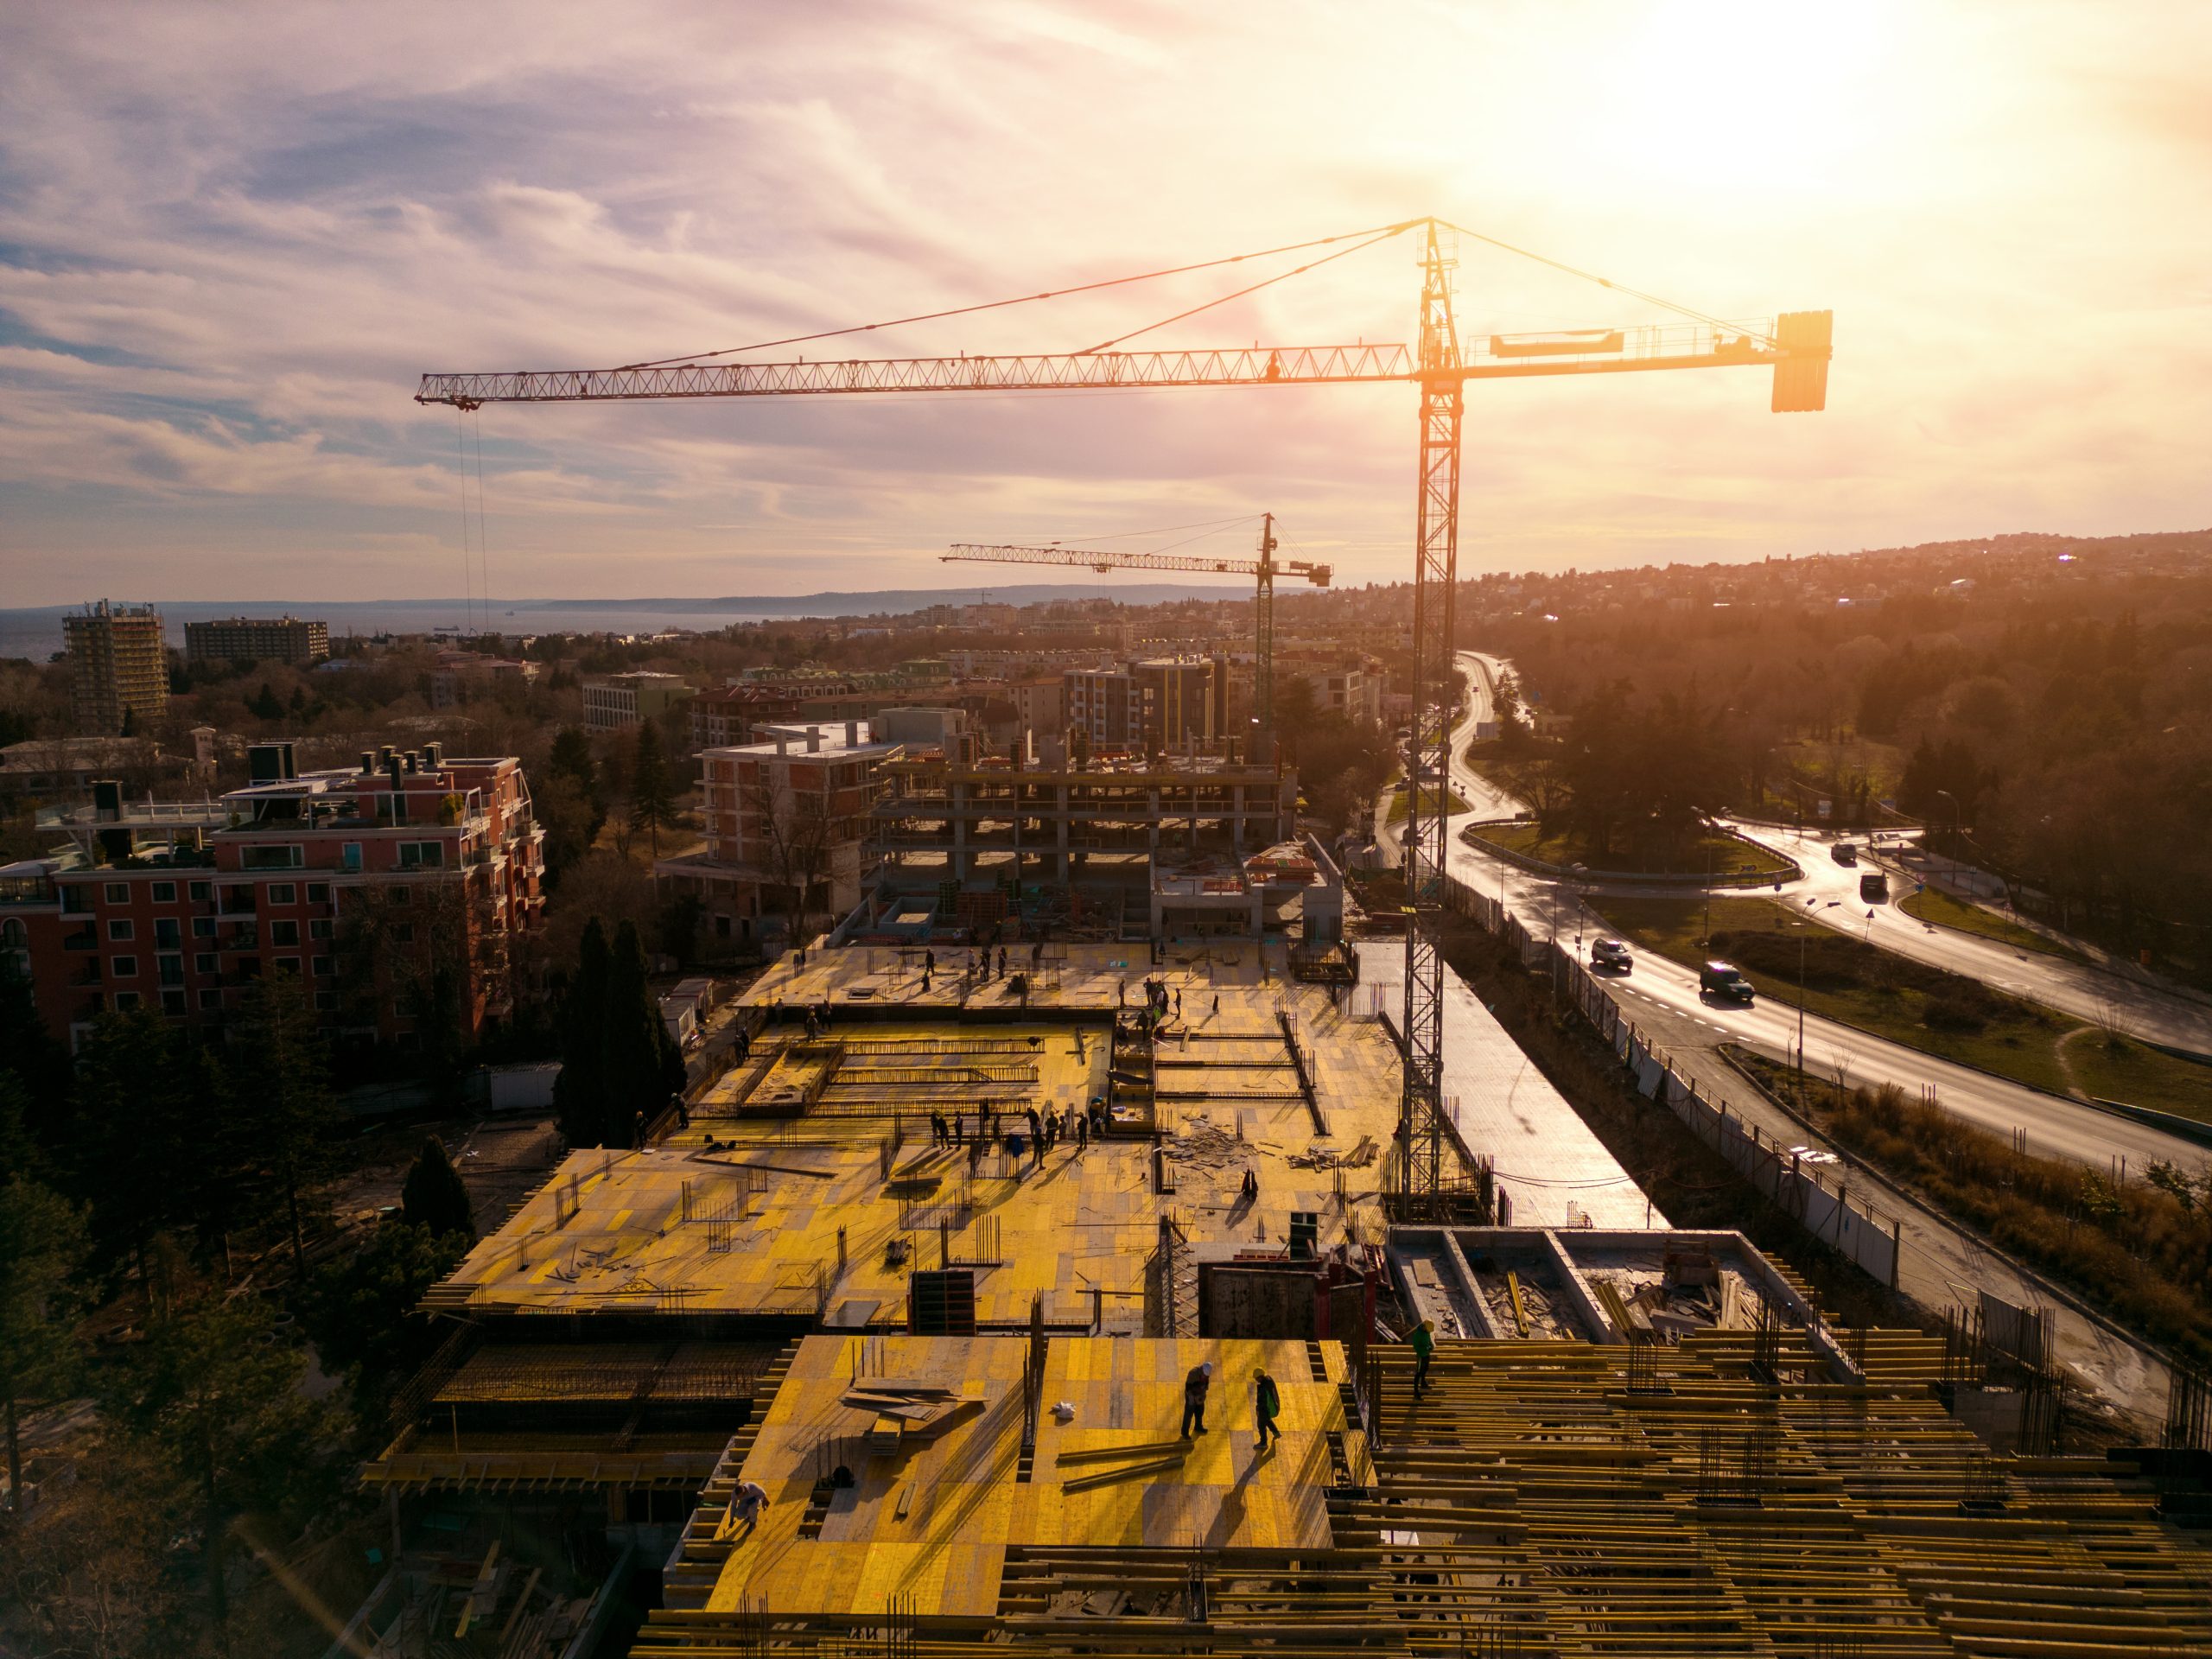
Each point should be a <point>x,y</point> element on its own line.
<point>1940,1264</point>
<point>1663,999</point>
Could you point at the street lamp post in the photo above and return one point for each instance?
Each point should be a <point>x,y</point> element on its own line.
<point>1954,800</point>
<point>1704,825</point>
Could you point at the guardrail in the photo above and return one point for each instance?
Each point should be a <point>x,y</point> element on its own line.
<point>1799,1189</point>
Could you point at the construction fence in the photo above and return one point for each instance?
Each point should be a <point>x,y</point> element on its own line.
<point>1800,1180</point>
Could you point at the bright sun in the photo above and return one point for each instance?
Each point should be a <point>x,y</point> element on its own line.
<point>1723,94</point>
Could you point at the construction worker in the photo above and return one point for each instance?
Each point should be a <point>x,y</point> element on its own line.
<point>1195,1384</point>
<point>1266,1406</point>
<point>747,1503</point>
<point>1424,1342</point>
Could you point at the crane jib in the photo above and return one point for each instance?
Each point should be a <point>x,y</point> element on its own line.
<point>1658,348</point>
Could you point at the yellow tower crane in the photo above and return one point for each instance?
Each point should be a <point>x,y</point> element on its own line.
<point>1796,346</point>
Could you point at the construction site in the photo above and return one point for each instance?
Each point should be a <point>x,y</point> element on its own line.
<point>949,1341</point>
<point>1153,1285</point>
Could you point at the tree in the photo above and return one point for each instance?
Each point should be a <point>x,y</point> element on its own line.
<point>223,1407</point>
<point>132,1143</point>
<point>642,1065</point>
<point>796,841</point>
<point>360,1311</point>
<point>580,1092</point>
<point>561,805</point>
<point>572,759</point>
<point>280,1087</point>
<point>265,706</point>
<point>652,789</point>
<point>434,1195</point>
<point>42,1244</point>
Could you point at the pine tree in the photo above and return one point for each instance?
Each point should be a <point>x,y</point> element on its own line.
<point>281,1084</point>
<point>265,707</point>
<point>41,1245</point>
<point>223,1406</point>
<point>579,1094</point>
<point>644,1066</point>
<point>652,790</point>
<point>434,1196</point>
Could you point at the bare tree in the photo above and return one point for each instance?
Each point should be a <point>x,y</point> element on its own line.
<point>792,838</point>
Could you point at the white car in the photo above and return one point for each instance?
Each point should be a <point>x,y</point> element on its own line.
<point>1611,957</point>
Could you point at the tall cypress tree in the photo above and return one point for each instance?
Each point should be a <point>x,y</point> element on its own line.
<point>644,1066</point>
<point>580,1093</point>
<point>652,791</point>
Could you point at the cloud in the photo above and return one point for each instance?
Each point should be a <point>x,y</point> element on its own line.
<point>231,240</point>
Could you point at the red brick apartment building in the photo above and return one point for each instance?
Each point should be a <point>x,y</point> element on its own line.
<point>366,881</point>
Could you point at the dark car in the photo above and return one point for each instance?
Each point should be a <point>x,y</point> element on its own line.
<point>1874,888</point>
<point>1720,979</point>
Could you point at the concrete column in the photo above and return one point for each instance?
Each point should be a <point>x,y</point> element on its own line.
<point>1060,835</point>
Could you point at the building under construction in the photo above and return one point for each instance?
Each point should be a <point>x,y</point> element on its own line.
<point>1092,844</point>
<point>930,1265</point>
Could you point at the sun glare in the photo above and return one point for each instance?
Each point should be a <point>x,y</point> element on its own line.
<point>1724,94</point>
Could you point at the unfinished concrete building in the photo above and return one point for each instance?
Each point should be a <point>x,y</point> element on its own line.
<point>848,1278</point>
<point>1103,845</point>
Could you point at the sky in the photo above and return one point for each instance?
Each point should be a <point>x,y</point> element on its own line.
<point>232,237</point>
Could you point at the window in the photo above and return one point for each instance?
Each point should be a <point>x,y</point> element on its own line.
<point>123,966</point>
<point>319,927</point>
<point>165,892</point>
<point>289,965</point>
<point>210,1000</point>
<point>422,854</point>
<point>170,970</point>
<point>238,899</point>
<point>118,893</point>
<point>249,967</point>
<point>173,1002</point>
<point>327,1001</point>
<point>403,933</point>
<point>204,962</point>
<point>402,895</point>
<point>119,929</point>
<point>349,858</point>
<point>284,856</point>
<point>203,927</point>
<point>323,967</point>
<point>318,892</point>
<point>283,932</point>
<point>168,936</point>
<point>76,900</point>
<point>282,892</point>
<point>125,1001</point>
<point>197,892</point>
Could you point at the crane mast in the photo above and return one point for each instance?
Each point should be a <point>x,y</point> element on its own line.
<point>1796,345</point>
<point>1263,570</point>
<point>1424,1182</point>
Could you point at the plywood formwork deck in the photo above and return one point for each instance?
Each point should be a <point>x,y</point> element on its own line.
<point>1559,1498</point>
<point>931,1522</point>
<point>769,1196</point>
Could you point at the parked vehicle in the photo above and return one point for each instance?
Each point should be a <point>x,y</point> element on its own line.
<point>1874,888</point>
<point>1611,957</point>
<point>1720,979</point>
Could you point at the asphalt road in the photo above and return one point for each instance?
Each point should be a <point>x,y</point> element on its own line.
<point>1940,1265</point>
<point>2166,1015</point>
<point>1662,997</point>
